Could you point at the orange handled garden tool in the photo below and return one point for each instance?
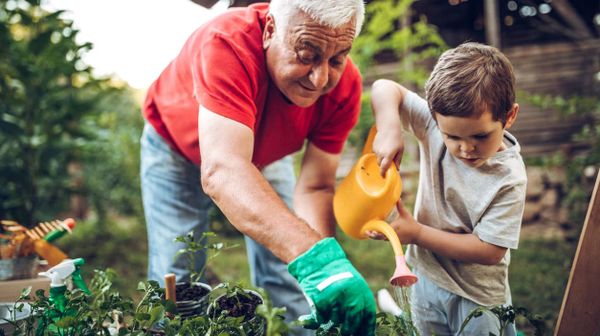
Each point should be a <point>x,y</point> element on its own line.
<point>46,232</point>
<point>40,237</point>
<point>364,199</point>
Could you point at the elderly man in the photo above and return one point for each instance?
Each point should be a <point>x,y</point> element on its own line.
<point>248,89</point>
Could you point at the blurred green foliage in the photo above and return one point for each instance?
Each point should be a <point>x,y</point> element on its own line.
<point>111,160</point>
<point>63,132</point>
<point>389,29</point>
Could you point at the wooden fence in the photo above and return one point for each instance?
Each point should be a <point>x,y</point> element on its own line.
<point>559,69</point>
<point>565,69</point>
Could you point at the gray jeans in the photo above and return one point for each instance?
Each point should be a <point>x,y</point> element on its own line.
<point>174,204</point>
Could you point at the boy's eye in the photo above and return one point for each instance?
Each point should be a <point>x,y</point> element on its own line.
<point>452,137</point>
<point>480,136</point>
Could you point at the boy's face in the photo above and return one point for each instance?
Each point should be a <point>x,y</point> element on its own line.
<point>474,139</point>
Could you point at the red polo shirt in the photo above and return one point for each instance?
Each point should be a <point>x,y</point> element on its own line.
<point>222,67</point>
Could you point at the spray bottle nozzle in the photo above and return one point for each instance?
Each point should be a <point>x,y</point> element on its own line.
<point>67,268</point>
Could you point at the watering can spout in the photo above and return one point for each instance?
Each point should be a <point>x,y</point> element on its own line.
<point>364,198</point>
<point>402,277</point>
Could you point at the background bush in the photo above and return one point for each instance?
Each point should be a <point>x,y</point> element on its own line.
<point>65,135</point>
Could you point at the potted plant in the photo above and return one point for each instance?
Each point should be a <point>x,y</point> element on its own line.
<point>192,296</point>
<point>234,307</point>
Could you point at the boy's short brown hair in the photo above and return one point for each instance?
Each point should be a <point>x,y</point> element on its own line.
<point>469,79</point>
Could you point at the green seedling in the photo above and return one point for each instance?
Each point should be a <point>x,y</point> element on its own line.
<point>192,247</point>
<point>506,314</point>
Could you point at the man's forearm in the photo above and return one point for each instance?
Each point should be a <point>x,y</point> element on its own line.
<point>254,208</point>
<point>315,207</point>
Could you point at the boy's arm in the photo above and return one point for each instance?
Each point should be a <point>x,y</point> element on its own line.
<point>386,100</point>
<point>465,247</point>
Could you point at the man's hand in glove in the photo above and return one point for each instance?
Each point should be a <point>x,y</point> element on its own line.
<point>338,292</point>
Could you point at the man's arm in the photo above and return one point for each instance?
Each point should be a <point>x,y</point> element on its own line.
<point>241,192</point>
<point>313,196</point>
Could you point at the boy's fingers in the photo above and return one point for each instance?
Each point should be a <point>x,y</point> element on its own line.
<point>383,165</point>
<point>375,235</point>
<point>398,160</point>
<point>400,207</point>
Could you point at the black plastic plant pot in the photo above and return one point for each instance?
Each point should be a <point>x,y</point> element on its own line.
<point>240,305</point>
<point>191,299</point>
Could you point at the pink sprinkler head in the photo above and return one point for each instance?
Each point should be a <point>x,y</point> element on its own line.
<point>402,277</point>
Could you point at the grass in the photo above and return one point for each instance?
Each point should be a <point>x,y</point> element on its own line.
<point>538,274</point>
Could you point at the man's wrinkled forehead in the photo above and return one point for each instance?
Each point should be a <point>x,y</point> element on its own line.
<point>303,29</point>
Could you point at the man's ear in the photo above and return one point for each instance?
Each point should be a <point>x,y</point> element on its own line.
<point>269,31</point>
<point>511,116</point>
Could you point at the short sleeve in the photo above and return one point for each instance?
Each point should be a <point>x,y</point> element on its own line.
<point>223,81</point>
<point>501,222</point>
<point>416,116</point>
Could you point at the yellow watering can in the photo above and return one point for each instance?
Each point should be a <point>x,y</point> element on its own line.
<point>364,199</point>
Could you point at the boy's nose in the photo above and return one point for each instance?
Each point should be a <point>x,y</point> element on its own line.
<point>467,147</point>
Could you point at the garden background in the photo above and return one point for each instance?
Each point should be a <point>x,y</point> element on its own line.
<point>69,144</point>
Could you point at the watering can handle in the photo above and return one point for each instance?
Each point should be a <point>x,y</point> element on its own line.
<point>387,230</point>
<point>368,148</point>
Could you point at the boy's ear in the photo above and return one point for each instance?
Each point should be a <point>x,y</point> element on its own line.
<point>511,116</point>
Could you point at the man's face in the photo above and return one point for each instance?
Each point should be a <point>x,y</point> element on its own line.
<point>474,139</point>
<point>305,59</point>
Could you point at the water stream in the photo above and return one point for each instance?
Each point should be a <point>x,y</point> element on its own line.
<point>402,297</point>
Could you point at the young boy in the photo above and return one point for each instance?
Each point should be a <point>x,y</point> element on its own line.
<point>471,191</point>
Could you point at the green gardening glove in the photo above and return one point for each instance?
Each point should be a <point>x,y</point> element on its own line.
<point>335,289</point>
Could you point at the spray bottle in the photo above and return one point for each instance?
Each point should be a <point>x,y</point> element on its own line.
<point>59,274</point>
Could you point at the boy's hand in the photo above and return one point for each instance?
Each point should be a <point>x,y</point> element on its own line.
<point>388,146</point>
<point>406,227</point>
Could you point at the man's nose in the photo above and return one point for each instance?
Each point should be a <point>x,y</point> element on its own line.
<point>319,76</point>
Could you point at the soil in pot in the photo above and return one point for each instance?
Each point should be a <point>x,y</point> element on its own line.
<point>186,291</point>
<point>191,299</point>
<point>241,304</point>
<point>238,305</point>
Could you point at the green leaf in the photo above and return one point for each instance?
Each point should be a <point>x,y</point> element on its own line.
<point>142,316</point>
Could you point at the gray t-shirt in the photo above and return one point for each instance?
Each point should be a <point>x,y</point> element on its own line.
<point>487,201</point>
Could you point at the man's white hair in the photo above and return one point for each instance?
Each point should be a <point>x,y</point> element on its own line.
<point>331,13</point>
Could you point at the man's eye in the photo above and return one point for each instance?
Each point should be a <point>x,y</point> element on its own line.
<point>306,57</point>
<point>337,60</point>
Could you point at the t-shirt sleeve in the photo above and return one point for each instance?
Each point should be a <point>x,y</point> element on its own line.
<point>223,82</point>
<point>331,134</point>
<point>501,223</point>
<point>415,115</point>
